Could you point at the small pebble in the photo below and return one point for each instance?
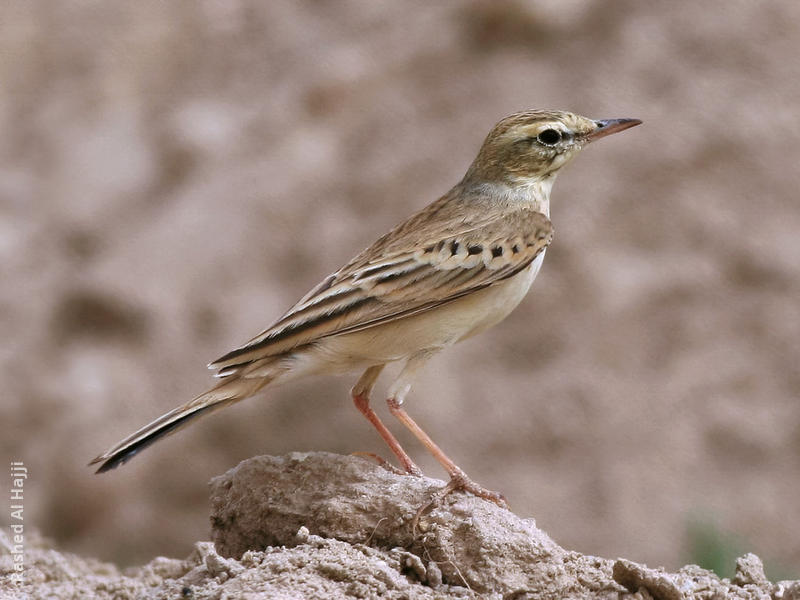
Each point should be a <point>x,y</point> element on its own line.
<point>434,575</point>
<point>301,537</point>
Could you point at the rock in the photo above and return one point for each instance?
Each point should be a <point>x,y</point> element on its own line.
<point>749,571</point>
<point>265,501</point>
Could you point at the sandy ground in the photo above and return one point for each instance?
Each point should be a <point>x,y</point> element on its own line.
<point>174,175</point>
<point>320,525</point>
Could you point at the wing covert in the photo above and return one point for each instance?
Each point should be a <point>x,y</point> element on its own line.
<point>375,288</point>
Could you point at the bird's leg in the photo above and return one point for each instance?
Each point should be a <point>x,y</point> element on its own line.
<point>360,392</point>
<point>458,479</point>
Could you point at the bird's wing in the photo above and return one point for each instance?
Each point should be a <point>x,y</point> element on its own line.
<point>392,280</point>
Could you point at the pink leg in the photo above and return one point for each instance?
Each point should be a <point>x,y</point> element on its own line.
<point>360,395</point>
<point>458,479</point>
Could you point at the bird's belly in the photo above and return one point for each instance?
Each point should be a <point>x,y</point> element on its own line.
<point>501,299</point>
<point>430,330</point>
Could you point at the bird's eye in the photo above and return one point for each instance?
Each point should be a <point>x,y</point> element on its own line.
<point>549,137</point>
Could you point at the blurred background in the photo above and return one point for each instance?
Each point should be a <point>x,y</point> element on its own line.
<point>174,175</point>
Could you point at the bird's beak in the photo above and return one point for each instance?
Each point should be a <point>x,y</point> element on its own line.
<point>608,126</point>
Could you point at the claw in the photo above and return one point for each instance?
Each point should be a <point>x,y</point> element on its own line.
<point>458,481</point>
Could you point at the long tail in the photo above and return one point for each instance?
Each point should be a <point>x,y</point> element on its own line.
<point>227,392</point>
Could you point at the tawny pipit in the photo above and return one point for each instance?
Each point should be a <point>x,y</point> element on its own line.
<point>452,270</point>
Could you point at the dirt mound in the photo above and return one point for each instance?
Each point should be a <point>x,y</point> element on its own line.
<point>319,525</point>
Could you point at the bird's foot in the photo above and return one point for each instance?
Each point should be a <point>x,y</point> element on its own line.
<point>411,468</point>
<point>459,481</point>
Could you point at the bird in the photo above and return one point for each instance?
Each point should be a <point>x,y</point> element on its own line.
<point>450,271</point>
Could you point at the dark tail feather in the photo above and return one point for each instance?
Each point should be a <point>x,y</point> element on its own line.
<point>127,452</point>
<point>227,392</point>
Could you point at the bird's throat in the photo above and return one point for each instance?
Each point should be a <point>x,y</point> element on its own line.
<point>537,193</point>
<point>533,192</point>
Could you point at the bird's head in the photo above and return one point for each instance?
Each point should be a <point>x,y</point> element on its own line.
<point>533,145</point>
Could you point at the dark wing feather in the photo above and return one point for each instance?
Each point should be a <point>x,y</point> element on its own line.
<point>405,281</point>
